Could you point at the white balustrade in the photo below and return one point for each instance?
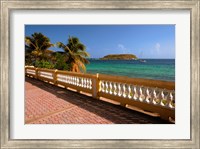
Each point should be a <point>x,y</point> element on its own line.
<point>30,71</point>
<point>75,80</point>
<point>120,90</point>
<point>44,74</point>
<point>150,95</point>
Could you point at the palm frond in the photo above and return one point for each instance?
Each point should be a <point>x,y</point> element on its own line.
<point>60,45</point>
<point>83,53</point>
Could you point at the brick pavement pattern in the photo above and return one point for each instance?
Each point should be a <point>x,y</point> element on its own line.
<point>49,104</point>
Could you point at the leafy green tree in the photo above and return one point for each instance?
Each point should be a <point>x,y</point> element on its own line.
<point>44,64</point>
<point>75,53</point>
<point>60,61</point>
<point>37,46</point>
<point>29,58</point>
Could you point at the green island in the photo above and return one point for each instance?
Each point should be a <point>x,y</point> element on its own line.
<point>119,57</point>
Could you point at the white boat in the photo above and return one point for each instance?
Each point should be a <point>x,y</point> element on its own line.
<point>143,61</point>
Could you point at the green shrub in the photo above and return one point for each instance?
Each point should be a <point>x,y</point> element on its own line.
<point>60,63</point>
<point>44,64</point>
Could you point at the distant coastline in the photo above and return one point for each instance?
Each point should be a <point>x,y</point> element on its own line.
<point>119,57</point>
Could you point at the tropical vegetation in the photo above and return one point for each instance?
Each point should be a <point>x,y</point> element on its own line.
<point>119,57</point>
<point>75,53</point>
<point>73,56</point>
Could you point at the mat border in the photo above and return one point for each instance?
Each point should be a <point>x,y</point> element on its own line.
<point>7,6</point>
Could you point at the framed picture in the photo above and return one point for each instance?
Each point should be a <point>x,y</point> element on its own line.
<point>177,21</point>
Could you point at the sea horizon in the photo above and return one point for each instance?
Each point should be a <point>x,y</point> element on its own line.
<point>135,59</point>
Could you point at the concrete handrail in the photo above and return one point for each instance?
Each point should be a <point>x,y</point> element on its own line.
<point>149,95</point>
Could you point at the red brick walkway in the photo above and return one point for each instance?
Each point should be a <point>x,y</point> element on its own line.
<point>48,104</point>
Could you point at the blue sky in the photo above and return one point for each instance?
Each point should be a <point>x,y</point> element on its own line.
<point>145,41</point>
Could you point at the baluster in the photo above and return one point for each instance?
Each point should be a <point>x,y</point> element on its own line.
<point>62,78</point>
<point>67,79</point>
<point>75,81</point>
<point>124,92</point>
<point>71,80</point>
<point>81,82</point>
<point>90,84</point>
<point>102,86</point>
<point>149,95</point>
<point>115,88</point>
<point>135,93</point>
<point>130,94</point>
<point>157,96</point>
<point>84,82</point>
<point>154,95</point>
<point>119,89</point>
<point>165,100</point>
<point>172,100</point>
<point>111,87</point>
<point>78,81</point>
<point>107,87</point>
<point>142,94</point>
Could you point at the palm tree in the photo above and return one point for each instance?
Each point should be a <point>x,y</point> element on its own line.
<point>75,53</point>
<point>29,58</point>
<point>37,45</point>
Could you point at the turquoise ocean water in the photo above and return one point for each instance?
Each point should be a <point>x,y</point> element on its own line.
<point>157,69</point>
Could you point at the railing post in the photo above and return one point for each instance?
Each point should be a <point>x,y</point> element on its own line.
<point>36,73</point>
<point>55,77</point>
<point>95,87</point>
<point>25,70</point>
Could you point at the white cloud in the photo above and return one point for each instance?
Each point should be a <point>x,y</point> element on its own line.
<point>123,49</point>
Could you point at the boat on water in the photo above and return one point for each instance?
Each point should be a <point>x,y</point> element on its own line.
<point>143,61</point>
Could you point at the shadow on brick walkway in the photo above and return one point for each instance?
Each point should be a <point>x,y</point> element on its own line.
<point>49,104</point>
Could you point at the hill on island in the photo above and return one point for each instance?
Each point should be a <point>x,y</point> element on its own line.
<point>119,57</point>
